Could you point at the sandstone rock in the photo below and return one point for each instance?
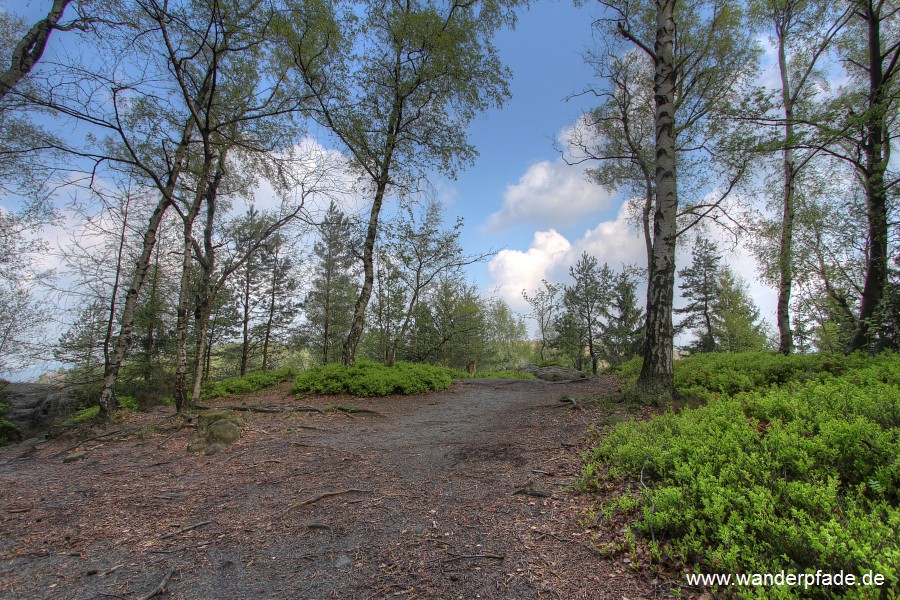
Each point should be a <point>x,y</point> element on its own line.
<point>554,373</point>
<point>213,449</point>
<point>208,417</point>
<point>222,432</point>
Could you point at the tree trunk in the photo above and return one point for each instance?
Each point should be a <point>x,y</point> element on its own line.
<point>359,313</point>
<point>30,48</point>
<point>785,247</point>
<point>245,324</point>
<point>877,155</point>
<point>656,383</point>
<point>271,317</point>
<point>180,390</point>
<point>111,372</point>
<point>207,289</point>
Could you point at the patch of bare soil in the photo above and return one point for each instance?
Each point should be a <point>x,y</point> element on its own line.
<point>466,493</point>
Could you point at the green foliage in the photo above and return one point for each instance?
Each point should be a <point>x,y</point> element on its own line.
<point>366,378</point>
<point>128,403</point>
<point>84,415</point>
<point>9,433</point>
<point>250,382</point>
<point>793,465</point>
<point>504,374</point>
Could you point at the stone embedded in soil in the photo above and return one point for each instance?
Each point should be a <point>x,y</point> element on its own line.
<point>343,561</point>
<point>222,432</point>
<point>209,417</point>
<point>213,449</point>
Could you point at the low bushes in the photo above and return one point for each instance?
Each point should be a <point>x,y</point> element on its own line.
<point>250,382</point>
<point>366,378</point>
<point>794,464</point>
<point>9,433</point>
<point>504,374</point>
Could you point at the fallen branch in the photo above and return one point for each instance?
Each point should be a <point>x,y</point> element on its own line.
<point>161,588</point>
<point>484,555</point>
<point>263,408</point>
<point>350,410</point>
<point>96,437</point>
<point>569,401</point>
<point>185,529</point>
<point>315,499</point>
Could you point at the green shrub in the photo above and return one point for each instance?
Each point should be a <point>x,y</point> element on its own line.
<point>794,464</point>
<point>83,416</point>
<point>705,376</point>
<point>505,374</point>
<point>250,382</point>
<point>128,403</point>
<point>367,378</point>
<point>9,433</point>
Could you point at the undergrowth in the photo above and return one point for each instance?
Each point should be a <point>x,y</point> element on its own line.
<point>367,378</point>
<point>250,382</point>
<point>504,374</point>
<point>794,464</point>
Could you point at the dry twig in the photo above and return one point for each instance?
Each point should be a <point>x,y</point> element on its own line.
<point>159,589</point>
<point>185,529</point>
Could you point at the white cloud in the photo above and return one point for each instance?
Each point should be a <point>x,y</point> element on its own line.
<point>550,255</point>
<point>552,194</point>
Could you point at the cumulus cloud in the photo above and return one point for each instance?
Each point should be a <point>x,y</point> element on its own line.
<point>550,255</point>
<point>550,193</point>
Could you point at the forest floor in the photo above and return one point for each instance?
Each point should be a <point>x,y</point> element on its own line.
<point>461,494</point>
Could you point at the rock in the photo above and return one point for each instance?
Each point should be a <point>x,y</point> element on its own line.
<point>213,449</point>
<point>208,417</point>
<point>222,432</point>
<point>342,561</point>
<point>554,373</point>
<point>32,404</point>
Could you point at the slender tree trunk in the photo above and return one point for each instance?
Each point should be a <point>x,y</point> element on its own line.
<point>184,292</point>
<point>123,341</point>
<point>785,247</point>
<point>245,323</point>
<point>656,383</point>
<point>877,155</point>
<point>111,372</point>
<point>151,326</point>
<point>271,317</point>
<point>207,290</point>
<point>359,312</point>
<point>114,295</point>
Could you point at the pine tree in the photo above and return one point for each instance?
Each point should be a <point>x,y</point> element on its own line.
<point>587,304</point>
<point>700,286</point>
<point>329,304</point>
<point>736,326</point>
<point>623,334</point>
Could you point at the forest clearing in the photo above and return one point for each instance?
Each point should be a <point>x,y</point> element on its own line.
<point>462,493</point>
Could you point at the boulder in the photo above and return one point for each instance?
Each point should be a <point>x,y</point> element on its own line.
<point>32,404</point>
<point>554,373</point>
<point>216,429</point>
<point>222,432</point>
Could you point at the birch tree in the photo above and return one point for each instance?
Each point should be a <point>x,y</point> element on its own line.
<point>696,72</point>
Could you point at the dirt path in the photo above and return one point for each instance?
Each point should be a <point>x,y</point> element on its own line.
<point>460,494</point>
